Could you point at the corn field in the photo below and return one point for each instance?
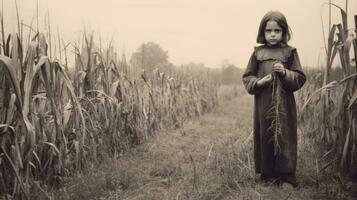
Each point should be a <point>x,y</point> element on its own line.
<point>328,104</point>
<point>55,122</point>
<point>58,118</point>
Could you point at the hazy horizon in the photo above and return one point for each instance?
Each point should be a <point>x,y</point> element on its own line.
<point>202,31</point>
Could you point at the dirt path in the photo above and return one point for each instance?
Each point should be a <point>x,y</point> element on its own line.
<point>210,157</point>
<point>172,164</point>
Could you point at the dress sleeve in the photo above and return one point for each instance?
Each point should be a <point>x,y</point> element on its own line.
<point>250,78</point>
<point>295,77</point>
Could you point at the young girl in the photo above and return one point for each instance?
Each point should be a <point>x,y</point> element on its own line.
<point>272,75</point>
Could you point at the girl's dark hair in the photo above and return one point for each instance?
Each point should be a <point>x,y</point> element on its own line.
<point>281,20</point>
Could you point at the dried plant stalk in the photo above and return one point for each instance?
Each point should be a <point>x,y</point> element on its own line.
<point>276,112</point>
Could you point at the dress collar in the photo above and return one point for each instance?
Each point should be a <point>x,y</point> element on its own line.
<point>280,45</point>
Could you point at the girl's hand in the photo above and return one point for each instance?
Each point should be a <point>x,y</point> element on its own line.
<point>265,80</point>
<point>279,69</point>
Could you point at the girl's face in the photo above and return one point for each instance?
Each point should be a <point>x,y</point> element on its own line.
<point>273,33</point>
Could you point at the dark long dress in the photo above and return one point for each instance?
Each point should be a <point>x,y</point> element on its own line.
<point>260,64</point>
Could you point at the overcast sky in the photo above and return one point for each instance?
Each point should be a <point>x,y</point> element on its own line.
<point>202,31</point>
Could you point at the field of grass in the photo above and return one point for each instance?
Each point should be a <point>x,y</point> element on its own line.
<point>209,157</point>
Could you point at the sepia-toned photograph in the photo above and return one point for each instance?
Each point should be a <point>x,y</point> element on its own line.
<point>178,99</point>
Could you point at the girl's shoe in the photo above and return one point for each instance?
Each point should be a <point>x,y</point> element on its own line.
<point>287,186</point>
<point>290,179</point>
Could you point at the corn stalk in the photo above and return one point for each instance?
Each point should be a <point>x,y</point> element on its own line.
<point>338,100</point>
<point>52,126</point>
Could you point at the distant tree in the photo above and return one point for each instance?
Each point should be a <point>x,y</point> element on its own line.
<point>231,74</point>
<point>149,56</point>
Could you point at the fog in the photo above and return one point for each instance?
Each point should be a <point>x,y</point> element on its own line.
<point>203,31</point>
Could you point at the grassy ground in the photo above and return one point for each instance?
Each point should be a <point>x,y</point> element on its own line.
<point>208,158</point>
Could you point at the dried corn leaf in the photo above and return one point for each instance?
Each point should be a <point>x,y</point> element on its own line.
<point>353,100</point>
